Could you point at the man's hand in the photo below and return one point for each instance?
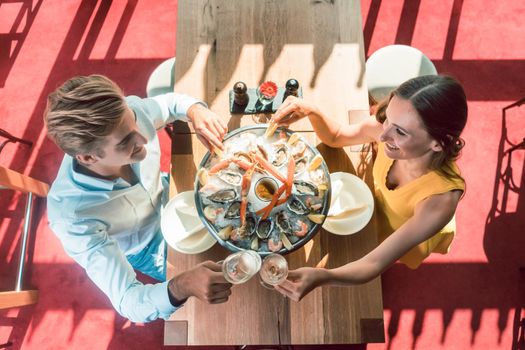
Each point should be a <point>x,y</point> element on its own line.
<point>210,128</point>
<point>204,281</point>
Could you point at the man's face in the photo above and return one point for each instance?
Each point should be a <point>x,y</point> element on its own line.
<point>125,145</point>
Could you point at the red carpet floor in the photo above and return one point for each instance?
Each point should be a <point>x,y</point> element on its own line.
<point>472,298</point>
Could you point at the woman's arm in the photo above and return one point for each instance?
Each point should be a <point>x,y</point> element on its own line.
<point>430,216</point>
<point>331,132</point>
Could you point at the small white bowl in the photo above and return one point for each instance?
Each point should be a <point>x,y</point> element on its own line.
<point>182,228</point>
<point>348,191</point>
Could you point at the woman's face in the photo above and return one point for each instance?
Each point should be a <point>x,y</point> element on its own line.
<point>404,133</point>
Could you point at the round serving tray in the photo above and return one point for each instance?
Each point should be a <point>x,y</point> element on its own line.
<point>263,249</point>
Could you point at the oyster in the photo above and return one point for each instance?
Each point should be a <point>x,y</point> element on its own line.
<point>223,196</point>
<point>306,188</point>
<point>244,157</point>
<point>317,176</point>
<point>281,154</point>
<point>297,206</point>
<point>250,225</point>
<point>300,165</point>
<point>233,210</point>
<point>264,228</point>
<point>298,149</point>
<point>282,221</point>
<point>230,177</point>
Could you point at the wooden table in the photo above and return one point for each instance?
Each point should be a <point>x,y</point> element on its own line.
<point>319,43</point>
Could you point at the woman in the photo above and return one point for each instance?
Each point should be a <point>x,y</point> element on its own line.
<point>417,184</point>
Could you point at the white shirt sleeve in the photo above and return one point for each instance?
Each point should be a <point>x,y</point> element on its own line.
<point>164,109</point>
<point>88,243</point>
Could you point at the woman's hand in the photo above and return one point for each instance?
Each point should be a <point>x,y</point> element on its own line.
<point>300,282</point>
<point>209,127</point>
<point>292,110</point>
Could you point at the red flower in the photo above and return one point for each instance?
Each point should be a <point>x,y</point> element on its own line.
<point>268,89</point>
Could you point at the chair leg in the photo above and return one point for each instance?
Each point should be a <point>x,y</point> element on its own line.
<point>23,245</point>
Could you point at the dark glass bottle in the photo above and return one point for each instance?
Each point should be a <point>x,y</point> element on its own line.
<point>292,88</point>
<point>240,97</point>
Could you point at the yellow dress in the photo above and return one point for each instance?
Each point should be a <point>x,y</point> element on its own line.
<point>396,206</point>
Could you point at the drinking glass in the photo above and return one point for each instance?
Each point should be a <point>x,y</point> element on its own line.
<point>274,270</point>
<point>239,267</point>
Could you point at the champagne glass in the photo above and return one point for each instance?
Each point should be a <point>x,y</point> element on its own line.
<point>239,267</point>
<point>274,270</point>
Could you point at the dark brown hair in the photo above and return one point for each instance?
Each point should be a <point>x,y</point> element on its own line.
<point>441,103</point>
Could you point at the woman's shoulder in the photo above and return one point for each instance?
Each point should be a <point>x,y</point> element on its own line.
<point>451,175</point>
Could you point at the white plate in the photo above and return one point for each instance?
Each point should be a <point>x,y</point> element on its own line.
<point>348,191</point>
<point>181,227</point>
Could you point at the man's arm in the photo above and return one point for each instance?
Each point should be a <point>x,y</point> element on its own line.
<point>167,108</point>
<point>88,243</point>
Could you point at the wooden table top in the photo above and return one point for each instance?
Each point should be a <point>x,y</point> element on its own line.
<point>319,43</point>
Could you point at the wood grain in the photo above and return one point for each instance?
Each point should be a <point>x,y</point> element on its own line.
<point>15,181</point>
<point>319,43</point>
<point>18,298</point>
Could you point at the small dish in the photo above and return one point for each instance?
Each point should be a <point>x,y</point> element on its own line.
<point>348,192</point>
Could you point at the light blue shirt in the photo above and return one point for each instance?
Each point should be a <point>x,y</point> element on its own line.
<point>99,221</point>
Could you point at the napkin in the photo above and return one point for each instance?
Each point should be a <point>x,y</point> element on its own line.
<point>179,217</point>
<point>343,204</point>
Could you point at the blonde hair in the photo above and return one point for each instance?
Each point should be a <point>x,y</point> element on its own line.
<point>82,111</point>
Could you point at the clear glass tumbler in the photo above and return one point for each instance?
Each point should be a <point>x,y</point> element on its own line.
<point>274,270</point>
<point>239,267</point>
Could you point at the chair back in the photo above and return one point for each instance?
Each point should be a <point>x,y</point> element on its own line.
<point>392,65</point>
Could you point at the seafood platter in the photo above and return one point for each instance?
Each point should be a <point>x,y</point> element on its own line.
<point>268,190</point>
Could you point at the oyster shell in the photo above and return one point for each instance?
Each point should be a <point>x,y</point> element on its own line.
<point>280,154</point>
<point>282,221</point>
<point>223,196</point>
<point>264,228</point>
<point>306,188</point>
<point>230,177</point>
<point>233,210</point>
<point>298,149</point>
<point>297,206</point>
<point>250,225</point>
<point>300,165</point>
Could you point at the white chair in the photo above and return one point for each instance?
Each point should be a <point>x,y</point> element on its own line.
<point>392,65</point>
<point>162,80</point>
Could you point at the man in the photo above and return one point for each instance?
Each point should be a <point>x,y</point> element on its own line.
<point>105,203</point>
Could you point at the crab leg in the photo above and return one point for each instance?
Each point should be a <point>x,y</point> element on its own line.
<point>268,167</point>
<point>245,187</point>
<point>226,162</point>
<point>289,179</point>
<point>275,200</point>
